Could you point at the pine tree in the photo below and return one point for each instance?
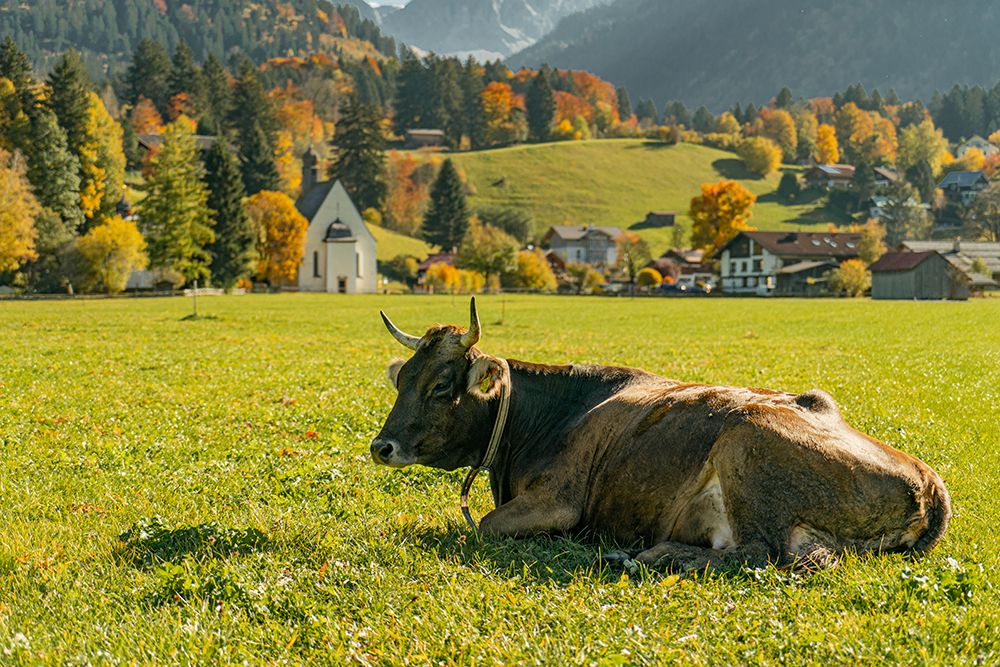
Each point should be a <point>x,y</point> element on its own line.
<point>678,112</point>
<point>447,217</point>
<point>186,78</point>
<point>624,104</point>
<point>15,67</point>
<point>53,170</point>
<point>446,97</point>
<point>703,119</point>
<point>541,106</point>
<point>130,143</point>
<point>412,86</point>
<point>751,113</point>
<point>359,161</point>
<point>174,214</point>
<point>472,104</point>
<point>70,97</point>
<point>738,113</point>
<point>259,168</point>
<point>218,94</point>
<point>149,75</point>
<point>784,98</point>
<point>863,182</point>
<point>251,106</point>
<point>233,249</point>
<point>892,99</point>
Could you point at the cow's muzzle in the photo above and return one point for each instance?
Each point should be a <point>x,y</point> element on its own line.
<point>388,453</point>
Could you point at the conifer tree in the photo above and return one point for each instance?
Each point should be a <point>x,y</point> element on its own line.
<point>174,214</point>
<point>218,95</point>
<point>186,77</point>
<point>784,98</point>
<point>232,251</point>
<point>15,67</point>
<point>447,217</point>
<point>412,86</point>
<point>678,110</point>
<point>359,161</point>
<point>473,111</point>
<point>130,143</point>
<point>541,106</point>
<point>703,119</point>
<point>149,75</point>
<point>892,99</point>
<point>751,113</point>
<point>738,113</point>
<point>70,98</point>
<point>259,168</point>
<point>251,106</point>
<point>446,97</point>
<point>624,104</point>
<point>53,170</point>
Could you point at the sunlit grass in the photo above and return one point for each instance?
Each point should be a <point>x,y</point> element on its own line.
<point>183,491</point>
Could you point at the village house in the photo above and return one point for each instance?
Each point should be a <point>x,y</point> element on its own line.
<point>587,245</point>
<point>962,187</point>
<point>339,250</point>
<point>884,177</point>
<point>923,275</point>
<point>750,261</point>
<point>694,268</point>
<point>829,176</point>
<point>960,253</point>
<point>436,258</point>
<point>986,147</point>
<point>423,138</point>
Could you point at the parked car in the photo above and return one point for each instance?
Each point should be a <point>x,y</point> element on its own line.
<point>673,287</point>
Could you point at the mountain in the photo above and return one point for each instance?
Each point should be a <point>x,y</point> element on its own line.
<point>487,28</point>
<point>715,52</point>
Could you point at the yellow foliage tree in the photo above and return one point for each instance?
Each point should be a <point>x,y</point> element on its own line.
<point>726,124</point>
<point>780,128</point>
<point>443,277</point>
<point>760,155</point>
<point>721,211</point>
<point>532,272</point>
<point>805,130</point>
<point>853,126</point>
<point>282,232</point>
<point>921,142</point>
<point>851,279</point>
<point>18,209</point>
<point>111,251</point>
<point>107,137</point>
<point>826,145</point>
<point>289,169</point>
<point>649,277</point>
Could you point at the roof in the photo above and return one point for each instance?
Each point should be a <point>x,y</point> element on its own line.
<point>438,258</point>
<point>887,174</point>
<point>429,133</point>
<point>834,170</point>
<point>685,255</point>
<point>155,140</point>
<point>805,266</point>
<point>576,232</point>
<point>309,203</point>
<point>840,245</point>
<point>962,179</point>
<point>663,213</point>
<point>338,231</point>
<point>900,261</point>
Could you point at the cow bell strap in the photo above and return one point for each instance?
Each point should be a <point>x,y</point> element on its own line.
<point>491,450</point>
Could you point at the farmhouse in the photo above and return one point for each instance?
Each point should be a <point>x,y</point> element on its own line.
<point>986,147</point>
<point>339,249</point>
<point>751,260</point>
<point>587,245</point>
<point>962,187</point>
<point>960,253</point>
<point>923,275</point>
<point>829,176</point>
<point>659,219</point>
<point>694,268</point>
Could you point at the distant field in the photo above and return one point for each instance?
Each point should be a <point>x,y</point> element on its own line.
<point>186,492</point>
<point>617,182</point>
<point>390,244</point>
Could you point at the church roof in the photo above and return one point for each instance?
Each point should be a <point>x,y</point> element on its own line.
<point>338,231</point>
<point>309,203</point>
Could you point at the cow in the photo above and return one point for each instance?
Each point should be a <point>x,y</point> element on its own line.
<point>698,476</point>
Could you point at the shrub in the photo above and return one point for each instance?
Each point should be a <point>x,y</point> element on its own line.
<point>851,279</point>
<point>760,155</point>
<point>789,186</point>
<point>726,142</point>
<point>649,278</point>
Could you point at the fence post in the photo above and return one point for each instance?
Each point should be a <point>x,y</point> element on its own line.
<point>196,299</point>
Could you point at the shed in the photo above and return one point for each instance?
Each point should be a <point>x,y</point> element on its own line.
<point>659,219</point>
<point>803,278</point>
<point>918,275</point>
<point>423,138</point>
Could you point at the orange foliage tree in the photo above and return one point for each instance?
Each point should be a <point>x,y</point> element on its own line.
<point>281,231</point>
<point>569,106</point>
<point>407,195</point>
<point>499,105</point>
<point>145,118</point>
<point>826,145</point>
<point>721,211</point>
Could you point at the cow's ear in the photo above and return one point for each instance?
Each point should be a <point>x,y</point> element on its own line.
<point>393,372</point>
<point>484,377</point>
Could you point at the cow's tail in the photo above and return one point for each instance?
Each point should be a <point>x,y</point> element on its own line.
<point>938,509</point>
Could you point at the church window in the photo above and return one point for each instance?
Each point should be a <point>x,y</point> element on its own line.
<point>316,273</point>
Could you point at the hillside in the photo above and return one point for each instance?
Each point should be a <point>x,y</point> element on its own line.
<point>617,182</point>
<point>391,243</point>
<point>488,28</point>
<point>716,52</point>
<point>106,31</point>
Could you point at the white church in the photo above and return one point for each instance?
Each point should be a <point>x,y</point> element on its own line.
<point>340,251</point>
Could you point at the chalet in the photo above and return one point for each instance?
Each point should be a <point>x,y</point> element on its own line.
<point>923,275</point>
<point>339,249</point>
<point>885,177</point>
<point>960,253</point>
<point>962,187</point>
<point>659,219</point>
<point>588,245</point>
<point>423,138</point>
<point>803,278</point>
<point>693,265</point>
<point>153,141</point>
<point>749,262</point>
<point>829,176</point>
<point>986,147</point>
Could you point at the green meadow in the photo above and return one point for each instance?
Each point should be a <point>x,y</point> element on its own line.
<point>617,182</point>
<point>179,491</point>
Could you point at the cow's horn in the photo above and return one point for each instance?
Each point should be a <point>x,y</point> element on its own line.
<point>471,337</point>
<point>405,339</point>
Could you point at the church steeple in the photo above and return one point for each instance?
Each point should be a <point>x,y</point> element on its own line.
<point>310,169</point>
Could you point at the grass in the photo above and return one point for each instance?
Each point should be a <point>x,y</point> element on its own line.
<point>391,244</point>
<point>617,182</point>
<point>177,492</point>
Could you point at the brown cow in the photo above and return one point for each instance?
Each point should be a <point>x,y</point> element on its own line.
<point>699,475</point>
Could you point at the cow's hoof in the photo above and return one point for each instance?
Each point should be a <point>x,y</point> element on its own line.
<point>619,557</point>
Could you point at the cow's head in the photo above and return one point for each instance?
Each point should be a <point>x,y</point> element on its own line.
<point>443,415</point>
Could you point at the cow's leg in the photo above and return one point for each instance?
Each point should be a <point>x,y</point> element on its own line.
<point>530,514</point>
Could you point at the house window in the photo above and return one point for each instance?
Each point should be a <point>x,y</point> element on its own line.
<point>732,268</point>
<point>316,264</point>
<point>744,267</point>
<point>758,265</point>
<point>579,254</point>
<point>757,249</point>
<point>740,248</point>
<point>751,282</point>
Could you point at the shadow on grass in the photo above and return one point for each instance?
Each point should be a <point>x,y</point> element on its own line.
<point>149,543</point>
<point>543,558</point>
<point>734,169</point>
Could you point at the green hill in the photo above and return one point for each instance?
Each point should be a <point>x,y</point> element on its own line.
<point>617,182</point>
<point>391,243</point>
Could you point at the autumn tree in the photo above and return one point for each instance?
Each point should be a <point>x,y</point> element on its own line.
<point>145,118</point>
<point>174,215</point>
<point>585,276</point>
<point>806,127</point>
<point>18,209</point>
<point>853,127</point>
<point>780,128</point>
<point>541,106</point>
<point>871,246</point>
<point>110,252</point>
<point>105,140</point>
<point>760,155</point>
<point>405,194</point>
<point>234,249</point>
<point>633,255</point>
<point>852,279</point>
<point>447,216</point>
<point>721,211</point>
<point>649,277</point>
<point>487,250</point>
<point>921,142</point>
<point>504,123</point>
<point>281,231</point>
<point>826,145</point>
<point>982,219</point>
<point>359,155</point>
<point>532,272</point>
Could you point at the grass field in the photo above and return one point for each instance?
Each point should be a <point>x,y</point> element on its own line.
<point>617,182</point>
<point>185,492</point>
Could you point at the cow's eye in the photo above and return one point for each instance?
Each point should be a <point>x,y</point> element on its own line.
<point>442,388</point>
